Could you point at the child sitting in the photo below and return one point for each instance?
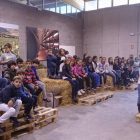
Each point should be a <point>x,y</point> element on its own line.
<point>35,64</point>
<point>26,97</point>
<point>10,102</point>
<point>136,66</point>
<point>19,64</point>
<point>66,74</point>
<point>30,81</point>
<point>51,65</point>
<point>10,72</point>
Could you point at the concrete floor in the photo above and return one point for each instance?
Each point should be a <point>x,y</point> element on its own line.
<point>113,119</point>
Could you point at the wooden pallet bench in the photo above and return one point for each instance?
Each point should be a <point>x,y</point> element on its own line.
<point>45,117</point>
<point>93,99</point>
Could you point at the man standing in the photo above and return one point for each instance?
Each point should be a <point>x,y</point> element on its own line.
<point>6,57</point>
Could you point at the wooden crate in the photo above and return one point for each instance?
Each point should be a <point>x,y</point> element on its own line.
<point>93,99</point>
<point>45,117</point>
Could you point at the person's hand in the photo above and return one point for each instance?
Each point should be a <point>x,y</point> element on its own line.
<point>32,85</point>
<point>85,75</point>
<point>36,87</point>
<point>73,79</point>
<point>122,71</point>
<point>10,103</point>
<point>79,77</point>
<point>30,95</point>
<point>100,73</point>
<point>73,75</point>
<point>94,72</point>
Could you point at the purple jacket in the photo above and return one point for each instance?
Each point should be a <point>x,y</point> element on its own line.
<point>78,71</point>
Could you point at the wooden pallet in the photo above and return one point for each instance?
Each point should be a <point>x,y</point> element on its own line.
<point>93,99</point>
<point>137,118</point>
<point>45,117</point>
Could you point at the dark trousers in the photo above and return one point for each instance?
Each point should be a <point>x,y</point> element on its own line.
<point>88,80</point>
<point>124,77</point>
<point>32,89</point>
<point>30,101</point>
<point>81,82</point>
<point>3,83</point>
<point>75,87</point>
<point>104,76</point>
<point>92,77</point>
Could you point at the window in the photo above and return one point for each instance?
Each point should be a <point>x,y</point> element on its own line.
<point>69,8</point>
<point>105,3</point>
<point>134,1</point>
<point>79,14</point>
<point>91,5</point>
<point>49,5</point>
<point>61,6</point>
<point>34,3</point>
<point>119,2</point>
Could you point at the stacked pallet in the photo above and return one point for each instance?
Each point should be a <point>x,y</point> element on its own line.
<point>26,127</point>
<point>93,99</point>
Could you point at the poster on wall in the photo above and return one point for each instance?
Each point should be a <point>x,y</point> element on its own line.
<point>9,33</point>
<point>39,40</point>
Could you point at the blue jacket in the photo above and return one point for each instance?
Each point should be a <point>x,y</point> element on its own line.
<point>34,69</point>
<point>22,92</point>
<point>8,93</point>
<point>51,61</point>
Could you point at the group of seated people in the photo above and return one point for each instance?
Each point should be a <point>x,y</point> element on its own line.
<point>76,70</point>
<point>20,85</point>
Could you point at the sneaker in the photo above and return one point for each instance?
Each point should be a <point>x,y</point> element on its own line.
<point>15,121</point>
<point>82,91</point>
<point>79,93</point>
<point>46,100</point>
<point>1,131</point>
<point>36,112</point>
<point>28,117</point>
<point>88,89</point>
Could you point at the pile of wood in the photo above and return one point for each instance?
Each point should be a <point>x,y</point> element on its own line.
<point>46,116</point>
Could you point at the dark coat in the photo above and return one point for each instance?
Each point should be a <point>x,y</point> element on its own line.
<point>9,75</point>
<point>90,67</point>
<point>8,93</point>
<point>66,71</point>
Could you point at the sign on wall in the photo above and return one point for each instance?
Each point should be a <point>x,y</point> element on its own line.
<point>9,33</point>
<point>39,40</point>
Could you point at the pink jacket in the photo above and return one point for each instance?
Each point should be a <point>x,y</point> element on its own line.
<point>78,71</point>
<point>72,70</point>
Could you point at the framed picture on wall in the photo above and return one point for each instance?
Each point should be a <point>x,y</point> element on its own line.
<point>39,40</point>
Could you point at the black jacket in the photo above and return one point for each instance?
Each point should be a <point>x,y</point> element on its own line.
<point>8,93</point>
<point>9,75</point>
<point>66,71</point>
<point>90,67</point>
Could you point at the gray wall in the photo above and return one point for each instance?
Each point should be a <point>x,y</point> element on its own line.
<point>70,29</point>
<point>107,31</point>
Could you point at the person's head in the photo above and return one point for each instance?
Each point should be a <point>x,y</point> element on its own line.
<point>11,65</point>
<point>128,61</point>
<point>61,52</point>
<point>110,60</point>
<point>20,73</point>
<point>8,47</point>
<point>89,60</point>
<point>95,58</point>
<point>85,56</point>
<point>136,59</point>
<point>49,52</point>
<point>35,63</point>
<point>28,64</point>
<point>125,61</point>
<point>79,62</point>
<point>116,61</point>
<point>67,61</point>
<point>66,52</point>
<point>120,60</point>
<point>72,61</point>
<point>84,62</point>
<point>17,81</point>
<point>75,57</point>
<point>100,58</point>
<point>103,59</point>
<point>19,62</point>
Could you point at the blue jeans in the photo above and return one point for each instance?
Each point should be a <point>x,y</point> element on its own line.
<point>113,76</point>
<point>3,83</point>
<point>96,78</point>
<point>104,76</point>
<point>32,89</point>
<point>75,87</point>
<point>118,73</point>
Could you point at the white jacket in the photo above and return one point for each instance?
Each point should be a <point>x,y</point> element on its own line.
<point>95,67</point>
